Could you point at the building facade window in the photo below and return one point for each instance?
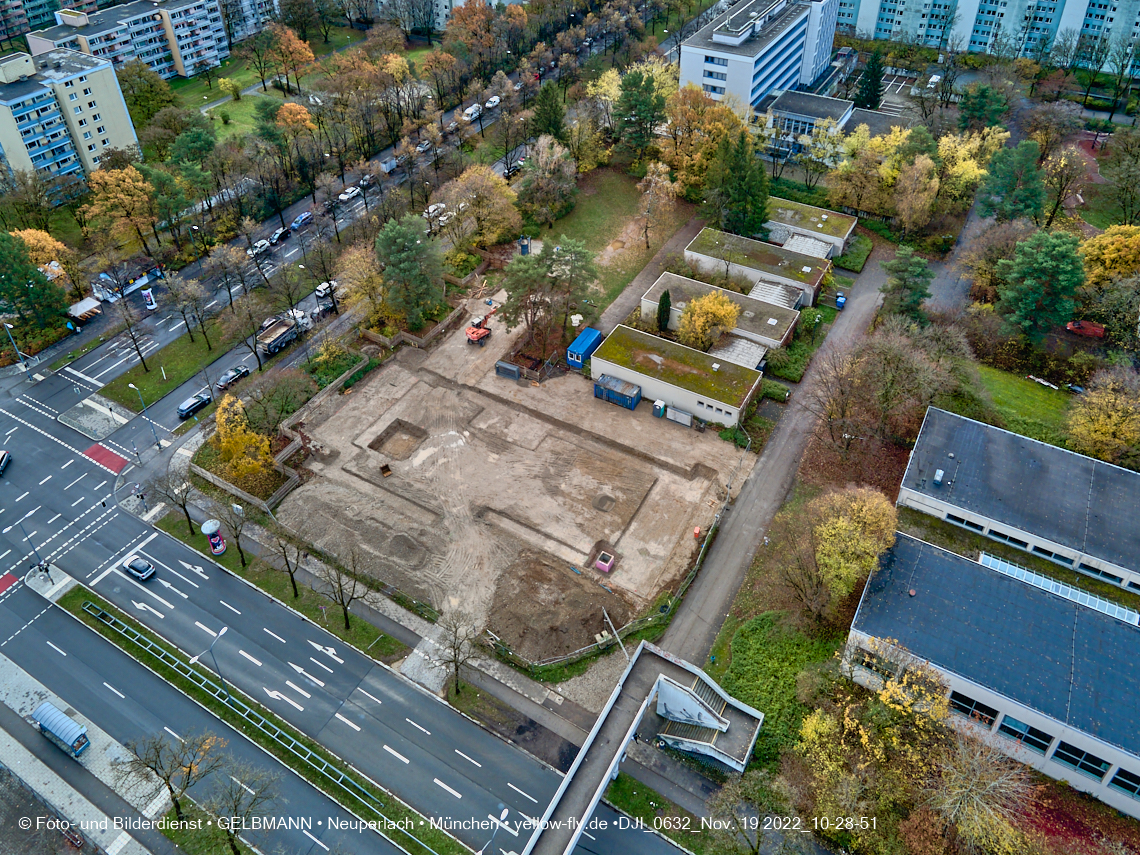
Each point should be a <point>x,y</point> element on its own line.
<point>1085,763</point>
<point>1030,737</point>
<point>72,97</point>
<point>972,709</point>
<point>716,75</point>
<point>713,90</point>
<point>716,60</point>
<point>1126,782</point>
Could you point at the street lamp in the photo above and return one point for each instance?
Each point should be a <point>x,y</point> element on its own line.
<point>153,433</point>
<point>210,650</point>
<point>27,537</point>
<point>8,329</point>
<point>502,819</point>
<point>203,235</point>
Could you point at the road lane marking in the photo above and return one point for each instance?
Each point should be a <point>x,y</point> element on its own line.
<point>12,431</point>
<point>194,568</point>
<point>321,664</point>
<point>22,496</point>
<point>396,754</point>
<point>77,501</point>
<point>48,478</point>
<point>113,689</point>
<point>53,519</point>
<point>521,793</point>
<point>100,485</point>
<point>453,792</point>
<point>331,651</point>
<point>301,670</point>
<point>205,628</point>
<point>6,551</point>
<point>278,696</point>
<point>143,607</point>
<point>314,840</point>
<point>228,606</point>
<point>211,304</point>
<point>56,649</point>
<point>465,757</point>
<point>183,578</point>
<point>172,733</point>
<point>419,726</point>
<point>361,690</point>
<point>250,658</point>
<point>30,536</point>
<point>82,376</point>
<point>64,466</point>
<point>351,724</point>
<point>170,587</point>
<point>243,786</point>
<point>275,635</point>
<point>76,481</point>
<point>297,688</point>
<point>503,825</point>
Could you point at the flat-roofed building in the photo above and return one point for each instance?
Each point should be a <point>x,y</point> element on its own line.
<point>714,251</point>
<point>821,224</point>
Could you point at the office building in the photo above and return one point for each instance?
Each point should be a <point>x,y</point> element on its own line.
<point>1044,671</point>
<point>174,37</point>
<point>59,112</point>
<point>759,47</point>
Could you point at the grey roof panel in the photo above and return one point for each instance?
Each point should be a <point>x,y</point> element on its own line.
<point>1015,639</point>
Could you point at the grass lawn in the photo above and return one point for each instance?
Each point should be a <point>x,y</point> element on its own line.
<point>339,37</point>
<point>180,359</point>
<point>242,114</point>
<point>608,201</point>
<point>856,255</point>
<point>312,605</point>
<point>416,55</point>
<point>1100,211</point>
<point>1027,407</point>
<point>193,92</point>
<point>656,811</point>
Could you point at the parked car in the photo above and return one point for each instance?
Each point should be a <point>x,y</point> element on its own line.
<point>231,376</point>
<point>423,146</point>
<point>323,310</point>
<point>401,159</point>
<point>1086,328</point>
<point>473,112</point>
<point>446,217</point>
<point>5,459</point>
<point>349,194</point>
<point>303,219</point>
<point>138,567</point>
<point>493,102</point>
<point>451,128</point>
<point>434,211</point>
<point>325,289</point>
<point>519,86</point>
<point>366,180</point>
<point>280,235</point>
<point>259,248</point>
<point>191,405</point>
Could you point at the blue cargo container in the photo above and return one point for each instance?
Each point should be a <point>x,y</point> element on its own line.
<point>617,392</point>
<point>583,347</point>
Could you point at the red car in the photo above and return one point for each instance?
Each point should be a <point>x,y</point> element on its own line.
<point>1086,328</point>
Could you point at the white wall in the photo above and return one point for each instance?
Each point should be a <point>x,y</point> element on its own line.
<point>652,389</point>
<point>822,18</point>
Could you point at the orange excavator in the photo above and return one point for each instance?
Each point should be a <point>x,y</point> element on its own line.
<point>479,331</point>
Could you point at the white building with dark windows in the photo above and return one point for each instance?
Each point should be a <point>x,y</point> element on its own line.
<point>1044,671</point>
<point>759,47</point>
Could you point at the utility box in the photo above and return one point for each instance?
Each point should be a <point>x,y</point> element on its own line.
<point>617,392</point>
<point>583,347</point>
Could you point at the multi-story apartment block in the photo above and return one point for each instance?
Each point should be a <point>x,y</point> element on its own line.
<point>759,47</point>
<point>59,112</point>
<point>174,37</point>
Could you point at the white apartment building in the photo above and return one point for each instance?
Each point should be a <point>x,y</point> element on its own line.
<point>759,47</point>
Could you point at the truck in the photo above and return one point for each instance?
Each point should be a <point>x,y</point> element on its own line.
<point>389,165</point>
<point>277,336</point>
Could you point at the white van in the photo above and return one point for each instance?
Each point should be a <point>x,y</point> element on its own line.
<point>473,112</point>
<point>934,80</point>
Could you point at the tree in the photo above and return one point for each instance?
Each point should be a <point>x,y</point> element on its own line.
<point>243,794</point>
<point>233,517</point>
<point>658,195</point>
<point>456,646</point>
<point>43,249</point>
<point>696,124</point>
<point>664,311</point>
<point>178,762</point>
<point>271,398</point>
<point>820,152</point>
<point>411,267</point>
<point>291,547</point>
<point>915,191</point>
<point>706,318</point>
<point>289,52</point>
<point>299,15</point>
<point>180,294</point>
<point>1105,421</point>
<point>175,489</point>
<point>736,187</point>
<point>585,144</point>
<point>120,203</point>
<point>572,271</point>
<point>144,91</point>
<point>852,528</point>
<point>1122,170</point>
<point>1091,55</point>
<point>134,331</point>
<point>549,182</point>
<point>244,453</point>
<point>1063,175</point>
<point>549,115</point>
<point>981,106</point>
<point>980,257</point>
<point>1039,284</point>
<point>258,50</point>
<point>908,284</point>
<point>1014,187</point>
<point>640,109</point>
<point>343,586</point>
<point>1053,125</point>
<point>1112,254</point>
<point>870,92</point>
<point>484,207</point>
<point>735,808</point>
<point>193,145</point>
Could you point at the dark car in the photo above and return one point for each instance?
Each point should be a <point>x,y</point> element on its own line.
<point>5,459</point>
<point>280,235</point>
<point>303,219</point>
<point>191,405</point>
<point>323,310</point>
<point>140,568</point>
<point>230,377</point>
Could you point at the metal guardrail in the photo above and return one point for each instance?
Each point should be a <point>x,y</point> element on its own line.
<point>310,758</point>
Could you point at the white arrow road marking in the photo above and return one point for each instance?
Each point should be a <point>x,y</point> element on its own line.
<point>250,658</point>
<point>331,651</point>
<point>503,825</point>
<point>465,757</point>
<point>170,587</point>
<point>297,688</point>
<point>314,840</point>
<point>453,792</point>
<point>277,696</point>
<point>521,793</point>
<point>418,726</point>
<point>183,578</point>
<point>346,721</point>
<point>205,628</point>
<point>143,607</point>
<point>194,568</point>
<point>302,671</point>
<point>113,689</point>
<point>320,664</point>
<point>396,754</point>
<point>243,786</point>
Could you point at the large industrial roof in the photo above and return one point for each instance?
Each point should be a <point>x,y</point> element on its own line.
<point>1072,500</point>
<point>1065,660</point>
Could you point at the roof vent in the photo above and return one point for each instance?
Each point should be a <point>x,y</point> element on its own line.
<point>749,314</point>
<point>823,216</point>
<point>819,225</point>
<point>716,366</point>
<point>806,269</point>
<point>772,322</point>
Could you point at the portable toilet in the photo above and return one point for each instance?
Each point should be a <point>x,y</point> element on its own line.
<point>583,347</point>
<point>659,408</point>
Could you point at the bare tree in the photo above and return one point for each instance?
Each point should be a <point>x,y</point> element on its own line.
<point>343,588</point>
<point>291,547</point>
<point>175,489</point>
<point>793,537</point>
<point>737,806</point>
<point>197,299</point>
<point>243,793</point>
<point>233,517</point>
<point>835,398</point>
<point>230,264</point>
<point>290,288</point>
<point>457,645</point>
<point>133,328</point>
<point>179,762</point>
<point>245,323</point>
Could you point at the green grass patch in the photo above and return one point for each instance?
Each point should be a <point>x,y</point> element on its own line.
<point>85,349</point>
<point>181,360</point>
<point>786,188</point>
<point>657,812</point>
<point>325,371</point>
<point>242,115</point>
<point>339,37</point>
<point>416,56</point>
<point>423,835</point>
<point>1100,210</point>
<point>767,655</point>
<point>362,372</point>
<point>193,92</point>
<point>207,840</point>
<point>312,605</point>
<point>1026,407</point>
<point>856,255</point>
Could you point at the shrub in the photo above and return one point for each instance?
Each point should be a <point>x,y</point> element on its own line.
<point>358,375</point>
<point>856,256</point>
<point>460,262</point>
<point>735,435</point>
<point>784,188</point>
<point>881,229</point>
<point>790,363</point>
<point>775,391</point>
<point>225,116</point>
<point>330,361</point>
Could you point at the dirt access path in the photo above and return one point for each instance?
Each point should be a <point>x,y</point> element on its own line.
<point>703,610</point>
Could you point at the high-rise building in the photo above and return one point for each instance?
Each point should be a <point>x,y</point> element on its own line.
<point>174,37</point>
<point>59,112</point>
<point>759,47</point>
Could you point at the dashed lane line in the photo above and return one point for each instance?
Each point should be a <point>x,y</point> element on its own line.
<point>521,793</point>
<point>250,658</point>
<point>321,664</point>
<point>468,759</point>
<point>351,724</point>
<point>396,754</point>
<point>275,635</point>
<point>40,430</point>
<point>172,733</point>
<point>370,697</point>
<point>113,689</point>
<point>76,481</point>
<point>297,688</point>
<point>58,650</point>
<point>228,606</point>
<point>418,726</point>
<point>315,840</point>
<point>449,789</point>
<point>25,626</point>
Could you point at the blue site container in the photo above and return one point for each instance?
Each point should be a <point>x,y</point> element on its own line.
<point>583,347</point>
<point>617,391</point>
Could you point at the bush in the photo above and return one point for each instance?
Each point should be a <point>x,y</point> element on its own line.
<point>936,244</point>
<point>775,391</point>
<point>225,116</point>
<point>881,229</point>
<point>856,256</point>
<point>358,375</point>
<point>790,363</point>
<point>734,435</point>
<point>785,188</point>
<point>330,361</point>
<point>460,262</point>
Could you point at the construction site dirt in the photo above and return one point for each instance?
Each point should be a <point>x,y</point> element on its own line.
<point>477,493</point>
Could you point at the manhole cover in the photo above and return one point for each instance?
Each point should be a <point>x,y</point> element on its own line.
<point>605,503</point>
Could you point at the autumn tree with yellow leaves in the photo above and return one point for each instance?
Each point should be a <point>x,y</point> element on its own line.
<point>120,204</point>
<point>706,319</point>
<point>1105,421</point>
<point>244,453</point>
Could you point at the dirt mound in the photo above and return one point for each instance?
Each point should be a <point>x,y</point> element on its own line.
<point>541,610</point>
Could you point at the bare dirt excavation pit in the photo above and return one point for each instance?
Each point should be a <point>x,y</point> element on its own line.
<point>500,497</point>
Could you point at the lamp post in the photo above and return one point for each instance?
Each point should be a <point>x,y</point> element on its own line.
<point>203,236</point>
<point>502,819</point>
<point>8,329</point>
<point>153,432</point>
<point>210,650</point>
